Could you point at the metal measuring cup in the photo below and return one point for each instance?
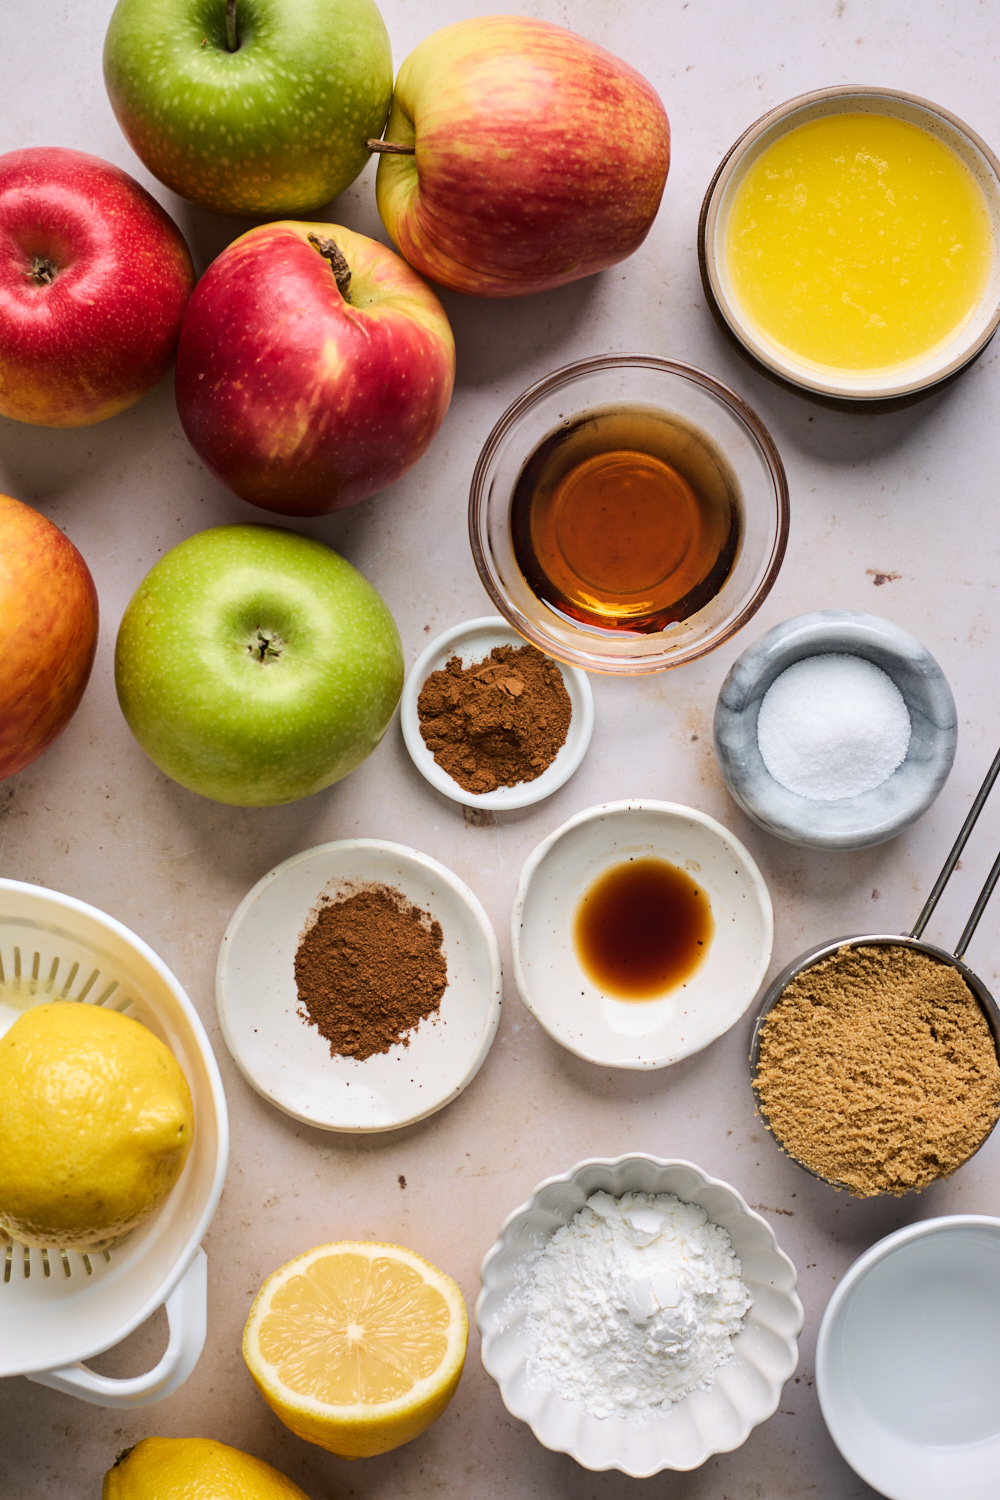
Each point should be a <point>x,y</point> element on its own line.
<point>914,940</point>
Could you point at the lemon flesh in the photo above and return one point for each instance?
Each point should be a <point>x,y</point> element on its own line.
<point>357,1347</point>
<point>96,1122</point>
<point>194,1469</point>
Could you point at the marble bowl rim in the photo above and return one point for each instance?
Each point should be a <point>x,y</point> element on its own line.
<point>493,1278</point>
<point>834,825</point>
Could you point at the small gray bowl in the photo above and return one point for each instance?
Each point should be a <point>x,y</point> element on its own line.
<point>852,822</point>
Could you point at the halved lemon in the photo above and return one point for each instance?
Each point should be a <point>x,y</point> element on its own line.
<point>356,1346</point>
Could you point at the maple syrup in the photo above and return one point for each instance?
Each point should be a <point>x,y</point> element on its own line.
<point>642,928</point>
<point>626,519</point>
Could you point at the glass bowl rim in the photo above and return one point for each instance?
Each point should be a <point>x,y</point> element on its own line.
<point>594,661</point>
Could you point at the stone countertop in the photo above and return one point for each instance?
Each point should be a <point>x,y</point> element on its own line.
<point>893,514</point>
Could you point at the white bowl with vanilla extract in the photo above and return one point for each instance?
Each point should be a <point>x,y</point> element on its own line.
<point>641,931</point>
<point>628,514</point>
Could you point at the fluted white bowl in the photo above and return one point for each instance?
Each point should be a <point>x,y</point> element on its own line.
<point>682,1434</point>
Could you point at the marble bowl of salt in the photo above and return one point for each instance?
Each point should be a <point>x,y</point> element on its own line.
<point>638,1315</point>
<point>835,730</point>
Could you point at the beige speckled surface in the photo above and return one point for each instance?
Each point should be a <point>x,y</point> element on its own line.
<point>893,514</point>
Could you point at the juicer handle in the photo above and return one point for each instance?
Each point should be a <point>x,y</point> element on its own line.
<point>186,1309</point>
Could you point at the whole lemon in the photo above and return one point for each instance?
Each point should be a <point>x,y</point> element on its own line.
<point>194,1469</point>
<point>96,1122</point>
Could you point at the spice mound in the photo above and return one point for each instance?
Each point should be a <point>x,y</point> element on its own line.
<point>498,721</point>
<point>878,1070</point>
<point>368,970</point>
<point>633,1304</point>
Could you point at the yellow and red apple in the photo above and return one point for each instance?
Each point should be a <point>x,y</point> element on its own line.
<point>94,278</point>
<point>314,367</point>
<point>538,157</point>
<point>49,607</point>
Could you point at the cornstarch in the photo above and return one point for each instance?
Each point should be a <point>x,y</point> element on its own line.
<point>633,1304</point>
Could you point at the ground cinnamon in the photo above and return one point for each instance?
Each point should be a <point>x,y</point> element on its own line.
<point>498,721</point>
<point>368,970</point>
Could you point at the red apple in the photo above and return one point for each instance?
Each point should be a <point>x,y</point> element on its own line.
<point>539,157</point>
<point>48,604</point>
<point>300,396</point>
<point>94,277</point>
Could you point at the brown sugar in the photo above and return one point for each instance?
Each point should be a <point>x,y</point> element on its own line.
<point>368,970</point>
<point>496,722</point>
<point>878,1069</point>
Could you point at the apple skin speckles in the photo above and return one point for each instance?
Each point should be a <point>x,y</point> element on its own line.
<point>49,607</point>
<point>94,279</point>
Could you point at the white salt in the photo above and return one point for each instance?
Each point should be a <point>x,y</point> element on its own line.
<point>832,726</point>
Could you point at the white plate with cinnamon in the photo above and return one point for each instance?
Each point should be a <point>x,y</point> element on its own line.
<point>358,986</point>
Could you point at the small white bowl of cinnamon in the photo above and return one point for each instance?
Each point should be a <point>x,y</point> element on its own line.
<point>492,722</point>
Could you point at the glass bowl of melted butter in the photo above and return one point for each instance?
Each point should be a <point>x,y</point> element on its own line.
<point>628,514</point>
<point>850,246</point>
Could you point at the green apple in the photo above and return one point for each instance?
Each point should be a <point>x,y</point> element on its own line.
<point>258,107</point>
<point>256,666</point>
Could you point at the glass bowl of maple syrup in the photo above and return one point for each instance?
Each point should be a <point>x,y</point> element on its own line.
<point>641,931</point>
<point>628,514</point>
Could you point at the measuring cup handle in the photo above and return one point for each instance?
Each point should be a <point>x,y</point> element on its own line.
<point>186,1309</point>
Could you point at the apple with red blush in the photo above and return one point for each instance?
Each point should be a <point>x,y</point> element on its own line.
<point>520,156</point>
<point>314,367</point>
<point>48,604</point>
<point>94,279</point>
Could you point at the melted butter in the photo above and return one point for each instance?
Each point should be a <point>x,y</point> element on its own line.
<point>859,242</point>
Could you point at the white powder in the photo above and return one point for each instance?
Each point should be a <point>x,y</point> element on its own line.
<point>633,1304</point>
<point>833,726</point>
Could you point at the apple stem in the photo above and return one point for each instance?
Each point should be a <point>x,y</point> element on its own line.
<point>392,148</point>
<point>331,251</point>
<point>232,41</point>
